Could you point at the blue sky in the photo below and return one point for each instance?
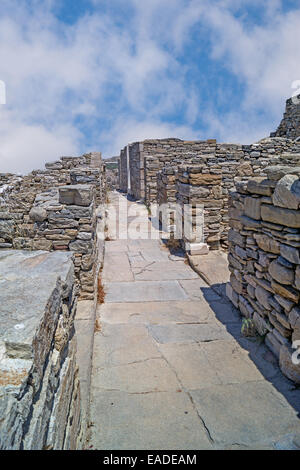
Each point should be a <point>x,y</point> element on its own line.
<point>96,74</point>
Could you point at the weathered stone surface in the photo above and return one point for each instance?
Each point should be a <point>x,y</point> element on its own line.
<point>266,243</point>
<point>253,207</point>
<point>260,324</point>
<point>287,192</point>
<point>297,277</point>
<point>82,246</point>
<point>78,195</point>
<point>263,297</point>
<point>38,214</point>
<point>290,253</point>
<point>291,370</point>
<point>285,291</point>
<point>31,363</point>
<point>259,185</point>
<point>281,274</point>
<point>278,215</point>
<point>277,172</point>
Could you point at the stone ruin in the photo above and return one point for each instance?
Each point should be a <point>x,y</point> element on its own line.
<point>51,244</point>
<point>251,200</point>
<point>290,124</point>
<point>264,259</point>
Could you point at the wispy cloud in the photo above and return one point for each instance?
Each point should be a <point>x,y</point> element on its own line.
<point>127,70</point>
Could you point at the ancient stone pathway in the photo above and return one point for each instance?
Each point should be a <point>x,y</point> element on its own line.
<point>171,369</point>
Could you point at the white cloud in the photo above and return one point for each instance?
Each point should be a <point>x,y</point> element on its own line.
<point>132,74</point>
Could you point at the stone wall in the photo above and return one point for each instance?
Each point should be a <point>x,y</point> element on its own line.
<point>150,156</point>
<point>196,186</point>
<point>65,220</point>
<point>290,124</point>
<point>136,159</point>
<point>264,258</point>
<point>123,174</point>
<point>166,197</point>
<point>39,387</point>
<point>231,164</point>
<point>112,173</point>
<point>33,216</point>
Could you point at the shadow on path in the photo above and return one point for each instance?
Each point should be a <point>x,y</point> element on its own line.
<point>258,352</point>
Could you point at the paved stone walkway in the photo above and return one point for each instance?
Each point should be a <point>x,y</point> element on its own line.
<point>170,367</point>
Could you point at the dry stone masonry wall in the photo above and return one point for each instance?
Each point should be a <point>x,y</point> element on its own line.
<point>35,215</point>
<point>39,386</point>
<point>290,124</point>
<point>141,167</point>
<point>264,259</point>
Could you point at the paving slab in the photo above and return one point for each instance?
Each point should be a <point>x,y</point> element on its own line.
<point>152,421</point>
<point>230,362</point>
<point>195,289</point>
<point>144,291</point>
<point>121,344</point>
<point>171,369</point>
<point>117,268</point>
<point>165,270</point>
<point>188,333</point>
<point>156,312</point>
<point>247,413</point>
<point>149,375</point>
<point>213,267</point>
<point>192,367</point>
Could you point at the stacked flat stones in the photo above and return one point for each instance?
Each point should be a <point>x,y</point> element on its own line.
<point>198,186</point>
<point>144,161</point>
<point>39,385</point>
<point>290,124</point>
<point>32,217</point>
<point>264,259</point>
<point>65,219</point>
<point>166,197</point>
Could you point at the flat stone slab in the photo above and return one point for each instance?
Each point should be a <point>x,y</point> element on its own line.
<point>195,288</point>
<point>248,413</point>
<point>188,333</point>
<point>165,270</point>
<point>192,367</point>
<point>213,267</point>
<point>123,344</point>
<point>151,421</point>
<point>117,268</point>
<point>27,281</point>
<point>149,375</point>
<point>154,254</point>
<point>115,246</point>
<point>156,312</point>
<point>144,291</point>
<point>230,362</point>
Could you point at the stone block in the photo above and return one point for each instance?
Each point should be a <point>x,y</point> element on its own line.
<point>263,296</point>
<point>259,185</point>
<point>290,253</point>
<point>268,244</point>
<point>278,215</point>
<point>281,274</point>
<point>78,195</point>
<point>252,207</point>
<point>197,248</point>
<point>38,214</point>
<point>287,365</point>
<point>287,192</point>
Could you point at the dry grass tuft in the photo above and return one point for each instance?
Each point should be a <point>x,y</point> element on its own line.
<point>97,328</point>
<point>101,291</point>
